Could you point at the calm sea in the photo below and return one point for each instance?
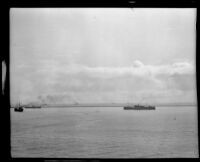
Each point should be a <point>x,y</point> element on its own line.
<point>104,132</point>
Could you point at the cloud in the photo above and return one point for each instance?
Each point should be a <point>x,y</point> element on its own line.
<point>137,64</point>
<point>79,83</point>
<point>137,69</point>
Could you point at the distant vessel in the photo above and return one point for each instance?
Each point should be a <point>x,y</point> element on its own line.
<point>33,107</point>
<point>139,107</point>
<point>19,108</point>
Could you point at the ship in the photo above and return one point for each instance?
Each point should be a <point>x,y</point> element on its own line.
<point>32,107</point>
<point>139,107</point>
<point>19,108</point>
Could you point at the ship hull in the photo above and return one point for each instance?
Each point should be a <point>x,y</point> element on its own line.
<point>139,108</point>
<point>18,109</point>
<point>33,107</point>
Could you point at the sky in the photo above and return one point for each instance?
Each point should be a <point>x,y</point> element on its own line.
<point>102,55</point>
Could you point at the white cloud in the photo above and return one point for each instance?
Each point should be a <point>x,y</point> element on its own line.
<point>137,69</point>
<point>142,82</point>
<point>137,64</point>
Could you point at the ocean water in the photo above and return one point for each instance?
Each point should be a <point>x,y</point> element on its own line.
<point>105,132</point>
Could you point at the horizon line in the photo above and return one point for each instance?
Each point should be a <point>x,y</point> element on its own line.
<point>108,104</point>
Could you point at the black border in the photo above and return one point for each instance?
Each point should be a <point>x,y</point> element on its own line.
<point>105,3</point>
<point>82,4</point>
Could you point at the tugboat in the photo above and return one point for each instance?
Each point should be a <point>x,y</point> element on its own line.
<point>19,108</point>
<point>139,107</point>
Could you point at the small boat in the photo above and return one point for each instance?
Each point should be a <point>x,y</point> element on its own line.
<point>19,108</point>
<point>139,107</point>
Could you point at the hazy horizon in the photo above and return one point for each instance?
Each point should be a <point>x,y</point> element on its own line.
<point>104,104</point>
<point>96,55</point>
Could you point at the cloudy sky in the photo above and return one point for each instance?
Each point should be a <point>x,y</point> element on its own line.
<point>102,55</point>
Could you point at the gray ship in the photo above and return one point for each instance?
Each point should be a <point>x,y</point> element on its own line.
<point>139,107</point>
<point>33,107</point>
